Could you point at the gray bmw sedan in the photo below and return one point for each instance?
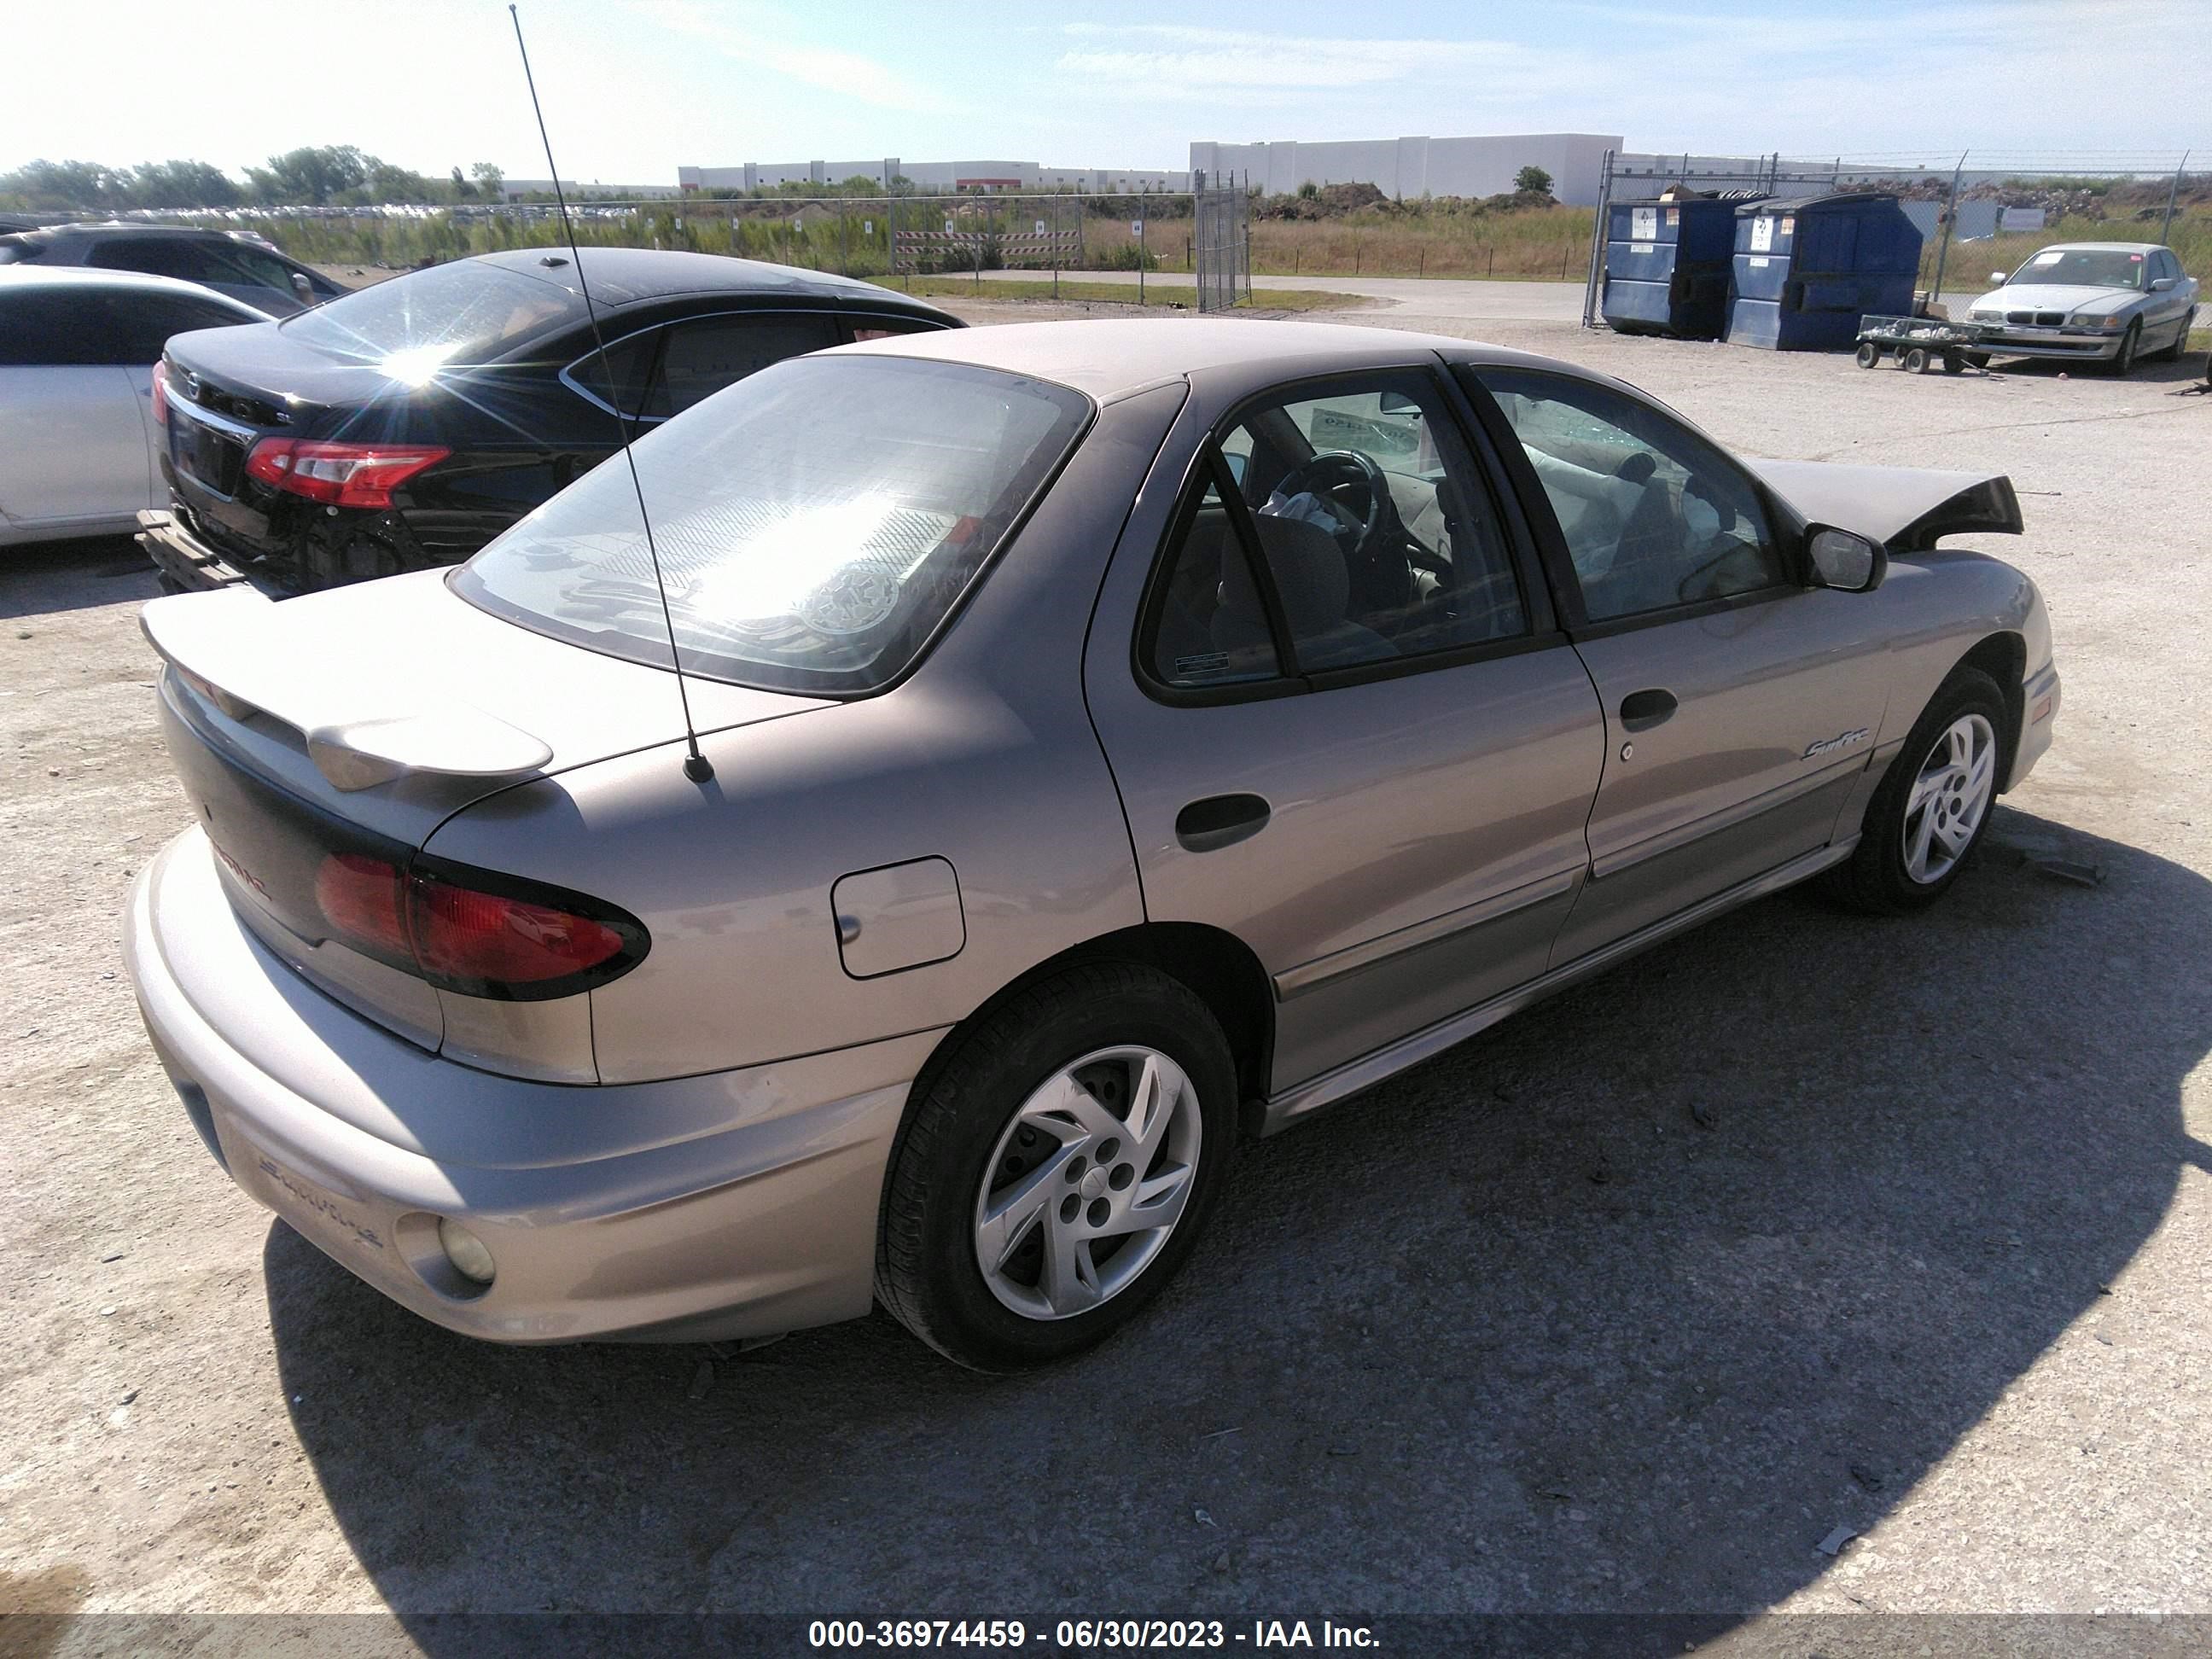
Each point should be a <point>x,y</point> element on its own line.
<point>1114,739</point>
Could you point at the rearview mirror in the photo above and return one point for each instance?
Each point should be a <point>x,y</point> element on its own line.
<point>1997,276</point>
<point>1395,402</point>
<point>1845,561</point>
<point>303,288</point>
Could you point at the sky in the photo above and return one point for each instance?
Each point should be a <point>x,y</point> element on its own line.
<point>632,89</point>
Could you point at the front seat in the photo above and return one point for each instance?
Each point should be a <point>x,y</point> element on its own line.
<point>1308,570</point>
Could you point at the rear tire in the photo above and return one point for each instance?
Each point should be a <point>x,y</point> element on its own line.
<point>1916,360</point>
<point>1928,814</point>
<point>1870,354</point>
<point>994,1248</point>
<point>2172,354</point>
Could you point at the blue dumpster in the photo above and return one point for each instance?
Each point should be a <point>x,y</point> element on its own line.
<point>1667,267</point>
<point>1804,272</point>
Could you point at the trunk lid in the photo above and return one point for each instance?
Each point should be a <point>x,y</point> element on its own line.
<point>355,722</point>
<point>227,394</point>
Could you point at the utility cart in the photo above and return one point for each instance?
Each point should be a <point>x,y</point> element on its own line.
<point>1920,344</point>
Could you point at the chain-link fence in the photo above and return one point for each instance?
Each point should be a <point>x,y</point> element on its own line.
<point>1021,245</point>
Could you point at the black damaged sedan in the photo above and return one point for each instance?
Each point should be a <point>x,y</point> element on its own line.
<point>406,425</point>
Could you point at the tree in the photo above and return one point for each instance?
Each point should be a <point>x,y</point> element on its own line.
<point>311,175</point>
<point>64,184</point>
<point>491,180</point>
<point>182,185</point>
<point>1533,181</point>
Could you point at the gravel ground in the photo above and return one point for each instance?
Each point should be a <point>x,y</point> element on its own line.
<point>1802,1223</point>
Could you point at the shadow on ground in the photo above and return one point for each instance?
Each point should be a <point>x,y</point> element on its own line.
<point>1623,1307</point>
<point>45,577</point>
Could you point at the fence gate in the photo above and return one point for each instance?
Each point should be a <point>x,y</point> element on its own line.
<point>1220,251</point>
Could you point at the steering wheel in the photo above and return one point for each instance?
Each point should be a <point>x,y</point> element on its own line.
<point>1327,471</point>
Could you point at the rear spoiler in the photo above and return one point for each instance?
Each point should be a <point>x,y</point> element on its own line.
<point>232,649</point>
<point>1905,509</point>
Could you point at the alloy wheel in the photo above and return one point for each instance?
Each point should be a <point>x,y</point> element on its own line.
<point>1087,1181</point>
<point>1950,798</point>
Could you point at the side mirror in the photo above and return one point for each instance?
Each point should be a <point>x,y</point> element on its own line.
<point>2161,285</point>
<point>1845,561</point>
<point>1999,278</point>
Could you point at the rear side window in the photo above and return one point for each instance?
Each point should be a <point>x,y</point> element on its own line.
<point>47,327</point>
<point>703,357</point>
<point>665,371</point>
<point>815,523</point>
<point>156,257</point>
<point>91,326</point>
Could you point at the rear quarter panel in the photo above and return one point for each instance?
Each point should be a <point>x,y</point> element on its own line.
<point>984,757</point>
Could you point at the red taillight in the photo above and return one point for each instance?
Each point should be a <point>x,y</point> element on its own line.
<point>463,934</point>
<point>364,900</point>
<point>161,393</point>
<point>465,939</point>
<point>340,475</point>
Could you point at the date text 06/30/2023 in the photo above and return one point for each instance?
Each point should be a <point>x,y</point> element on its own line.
<point>1085,1635</point>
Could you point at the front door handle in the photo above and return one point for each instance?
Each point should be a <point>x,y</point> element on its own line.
<point>1642,710</point>
<point>1218,821</point>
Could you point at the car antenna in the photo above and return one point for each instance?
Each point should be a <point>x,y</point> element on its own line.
<point>697,766</point>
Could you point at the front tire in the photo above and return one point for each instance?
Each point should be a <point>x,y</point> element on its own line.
<point>1931,810</point>
<point>2124,361</point>
<point>1056,1168</point>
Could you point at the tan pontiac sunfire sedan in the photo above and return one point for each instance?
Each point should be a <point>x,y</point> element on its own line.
<point>1119,738</point>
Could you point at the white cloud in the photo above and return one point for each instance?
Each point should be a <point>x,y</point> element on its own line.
<point>765,36</point>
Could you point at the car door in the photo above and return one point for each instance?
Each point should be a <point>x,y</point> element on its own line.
<point>1740,704</point>
<point>1346,731</point>
<point>74,445</point>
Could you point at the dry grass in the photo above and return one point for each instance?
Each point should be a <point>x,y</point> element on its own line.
<point>1159,291</point>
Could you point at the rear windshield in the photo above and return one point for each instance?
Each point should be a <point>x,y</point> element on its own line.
<point>2083,267</point>
<point>467,312</point>
<point>815,522</point>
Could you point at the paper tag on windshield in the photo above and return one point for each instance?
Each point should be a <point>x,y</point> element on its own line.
<point>2050,258</point>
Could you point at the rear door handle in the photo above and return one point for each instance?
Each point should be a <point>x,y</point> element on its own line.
<point>1642,710</point>
<point>1218,821</point>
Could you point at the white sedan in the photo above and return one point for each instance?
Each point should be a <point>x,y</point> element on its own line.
<point>2110,303</point>
<point>79,433</point>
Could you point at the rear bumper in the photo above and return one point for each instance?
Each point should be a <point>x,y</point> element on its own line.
<point>737,1204</point>
<point>182,558</point>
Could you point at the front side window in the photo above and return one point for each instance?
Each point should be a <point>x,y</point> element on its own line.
<point>1653,516</point>
<point>815,522</point>
<point>1366,522</point>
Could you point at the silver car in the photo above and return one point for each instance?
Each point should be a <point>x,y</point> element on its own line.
<point>1114,740</point>
<point>82,421</point>
<point>2109,302</point>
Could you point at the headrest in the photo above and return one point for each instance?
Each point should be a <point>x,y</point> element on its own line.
<point>1308,571</point>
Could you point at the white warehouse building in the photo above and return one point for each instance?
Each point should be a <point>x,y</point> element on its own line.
<point>1417,167</point>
